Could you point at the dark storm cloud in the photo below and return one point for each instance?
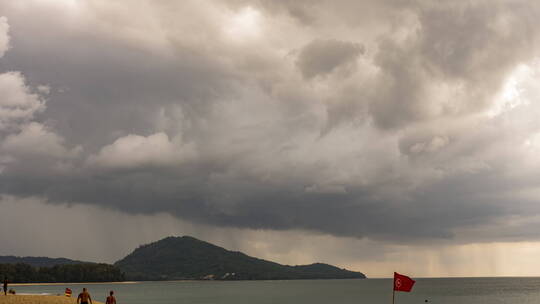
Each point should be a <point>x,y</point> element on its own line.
<point>238,115</point>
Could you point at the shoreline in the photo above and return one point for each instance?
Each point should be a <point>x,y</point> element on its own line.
<point>78,283</point>
<point>186,280</point>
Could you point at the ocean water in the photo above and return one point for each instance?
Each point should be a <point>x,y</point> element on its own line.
<point>439,291</point>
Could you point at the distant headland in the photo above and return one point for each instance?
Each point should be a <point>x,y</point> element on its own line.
<point>177,258</point>
<point>172,258</point>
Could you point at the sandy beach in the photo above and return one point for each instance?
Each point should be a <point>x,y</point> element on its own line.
<point>38,299</point>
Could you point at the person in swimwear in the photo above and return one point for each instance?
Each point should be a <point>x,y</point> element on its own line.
<point>84,297</point>
<point>111,299</point>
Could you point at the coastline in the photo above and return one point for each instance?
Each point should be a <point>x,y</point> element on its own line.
<point>78,283</point>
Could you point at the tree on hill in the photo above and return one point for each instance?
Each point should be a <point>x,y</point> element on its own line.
<point>69,273</point>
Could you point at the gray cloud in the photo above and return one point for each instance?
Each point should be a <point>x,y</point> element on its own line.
<point>115,234</point>
<point>452,61</point>
<point>227,125</point>
<point>321,57</point>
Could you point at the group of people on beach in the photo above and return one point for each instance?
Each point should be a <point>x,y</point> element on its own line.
<point>84,298</point>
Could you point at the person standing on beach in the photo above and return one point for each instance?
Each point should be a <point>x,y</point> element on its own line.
<point>5,286</point>
<point>84,297</point>
<point>111,299</point>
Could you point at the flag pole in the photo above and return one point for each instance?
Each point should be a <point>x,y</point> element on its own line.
<point>393,288</point>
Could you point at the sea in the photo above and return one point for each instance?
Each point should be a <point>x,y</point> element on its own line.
<point>518,290</point>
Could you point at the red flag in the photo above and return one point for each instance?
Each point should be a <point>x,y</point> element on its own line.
<point>402,282</point>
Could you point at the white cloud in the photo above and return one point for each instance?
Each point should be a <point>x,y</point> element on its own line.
<point>244,24</point>
<point>4,37</point>
<point>18,104</point>
<point>36,140</point>
<point>25,144</point>
<point>135,151</point>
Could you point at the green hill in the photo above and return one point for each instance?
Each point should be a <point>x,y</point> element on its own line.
<point>177,258</point>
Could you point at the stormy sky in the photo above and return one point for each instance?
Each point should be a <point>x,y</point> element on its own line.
<point>375,135</point>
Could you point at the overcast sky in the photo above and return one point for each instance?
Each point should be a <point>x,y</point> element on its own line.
<point>375,135</point>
